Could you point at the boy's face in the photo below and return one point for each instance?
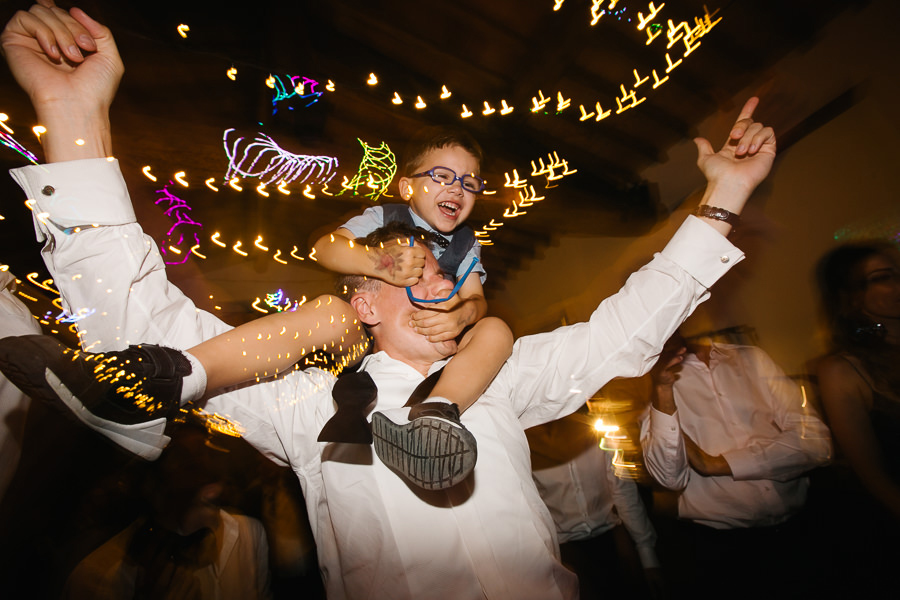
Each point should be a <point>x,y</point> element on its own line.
<point>444,207</point>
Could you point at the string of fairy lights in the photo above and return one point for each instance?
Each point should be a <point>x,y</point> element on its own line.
<point>681,39</point>
<point>275,170</point>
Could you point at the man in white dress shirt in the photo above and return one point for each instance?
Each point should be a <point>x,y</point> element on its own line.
<point>734,437</point>
<point>491,536</point>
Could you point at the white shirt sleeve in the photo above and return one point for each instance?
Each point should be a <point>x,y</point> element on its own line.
<point>664,454</point>
<point>803,441</point>
<point>550,374</point>
<point>633,514</point>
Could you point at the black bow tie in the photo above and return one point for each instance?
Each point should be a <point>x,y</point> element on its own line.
<point>354,393</point>
<point>441,241</point>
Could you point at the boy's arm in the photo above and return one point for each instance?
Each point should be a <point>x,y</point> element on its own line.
<point>445,321</point>
<point>398,264</point>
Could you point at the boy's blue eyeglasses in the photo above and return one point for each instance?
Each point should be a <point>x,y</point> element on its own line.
<point>447,176</point>
<point>452,292</point>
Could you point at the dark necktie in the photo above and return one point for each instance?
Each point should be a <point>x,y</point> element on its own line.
<point>441,241</point>
<point>354,393</point>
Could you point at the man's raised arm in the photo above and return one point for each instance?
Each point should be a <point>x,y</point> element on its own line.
<point>552,374</point>
<point>70,68</point>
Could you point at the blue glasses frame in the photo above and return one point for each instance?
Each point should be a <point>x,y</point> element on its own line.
<point>453,292</point>
<point>430,173</point>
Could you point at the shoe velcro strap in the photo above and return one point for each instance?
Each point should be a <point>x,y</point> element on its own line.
<point>162,363</point>
<point>442,410</point>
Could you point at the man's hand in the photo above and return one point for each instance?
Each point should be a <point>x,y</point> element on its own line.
<point>705,464</point>
<point>69,66</point>
<point>733,172</point>
<point>746,157</point>
<point>398,263</point>
<point>445,321</point>
<point>664,374</point>
<point>668,365</point>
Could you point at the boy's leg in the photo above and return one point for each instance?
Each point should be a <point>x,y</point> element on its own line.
<point>482,351</point>
<point>128,395</point>
<point>427,443</point>
<point>274,343</point>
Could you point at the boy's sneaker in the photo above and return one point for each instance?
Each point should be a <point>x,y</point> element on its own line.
<point>433,450</point>
<point>125,395</point>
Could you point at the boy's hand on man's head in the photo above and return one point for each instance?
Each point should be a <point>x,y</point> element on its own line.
<point>398,264</point>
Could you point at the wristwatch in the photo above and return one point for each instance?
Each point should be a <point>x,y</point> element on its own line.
<point>719,214</point>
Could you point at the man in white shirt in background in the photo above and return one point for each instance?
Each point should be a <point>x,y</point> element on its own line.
<point>732,435</point>
<point>589,505</point>
<point>491,536</point>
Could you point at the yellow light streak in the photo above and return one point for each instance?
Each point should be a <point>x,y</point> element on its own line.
<point>372,80</point>
<point>506,109</point>
<point>277,259</point>
<point>256,306</point>
<point>420,104</point>
<point>643,21</point>
<point>231,73</point>
<point>657,81</point>
<point>179,177</point>
<point>282,187</point>
<point>294,254</point>
<point>397,99</point>
<point>258,243</point>
<point>45,285</point>
<point>237,248</point>
<point>330,86</point>
<point>234,184</point>
<point>671,64</point>
<point>215,240</point>
<point>487,109</point>
<point>195,252</point>
<point>148,174</point>
<point>270,82</point>
<point>445,93</point>
<point>261,190</point>
<point>209,184</point>
<point>307,192</point>
<point>3,119</point>
<point>39,130</point>
<point>562,103</point>
<point>600,114</point>
<point>183,30</point>
<point>466,113</point>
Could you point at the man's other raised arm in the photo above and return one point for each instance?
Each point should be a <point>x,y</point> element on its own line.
<point>554,373</point>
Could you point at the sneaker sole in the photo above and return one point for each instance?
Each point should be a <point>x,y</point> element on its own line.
<point>146,440</point>
<point>431,453</point>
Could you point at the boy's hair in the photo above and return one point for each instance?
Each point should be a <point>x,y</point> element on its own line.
<point>432,138</point>
<point>347,285</point>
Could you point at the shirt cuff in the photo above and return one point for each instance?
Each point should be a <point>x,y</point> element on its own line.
<point>743,464</point>
<point>702,251</point>
<point>77,193</point>
<point>664,426</point>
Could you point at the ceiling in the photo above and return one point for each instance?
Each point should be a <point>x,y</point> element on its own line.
<point>176,101</point>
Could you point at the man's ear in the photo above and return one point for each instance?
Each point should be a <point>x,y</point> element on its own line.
<point>406,190</point>
<point>363,303</point>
